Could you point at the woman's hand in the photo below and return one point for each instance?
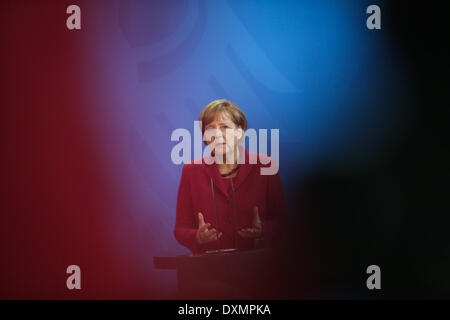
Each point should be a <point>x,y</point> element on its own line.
<point>203,234</point>
<point>256,230</point>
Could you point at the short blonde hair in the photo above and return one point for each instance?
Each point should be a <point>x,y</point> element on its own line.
<point>222,105</point>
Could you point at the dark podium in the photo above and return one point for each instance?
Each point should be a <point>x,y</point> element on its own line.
<point>250,274</point>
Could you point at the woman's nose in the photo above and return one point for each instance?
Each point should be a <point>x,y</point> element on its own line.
<point>219,133</point>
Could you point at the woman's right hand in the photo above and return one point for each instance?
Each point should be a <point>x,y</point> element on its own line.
<point>205,235</point>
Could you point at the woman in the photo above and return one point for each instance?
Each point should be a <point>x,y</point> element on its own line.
<point>224,202</point>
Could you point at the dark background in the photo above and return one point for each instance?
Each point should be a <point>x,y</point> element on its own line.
<point>394,214</point>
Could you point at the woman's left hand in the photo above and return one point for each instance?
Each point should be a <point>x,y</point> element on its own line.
<point>256,230</point>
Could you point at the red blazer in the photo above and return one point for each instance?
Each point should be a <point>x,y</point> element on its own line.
<point>250,189</point>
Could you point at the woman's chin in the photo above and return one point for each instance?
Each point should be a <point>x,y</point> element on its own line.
<point>222,151</point>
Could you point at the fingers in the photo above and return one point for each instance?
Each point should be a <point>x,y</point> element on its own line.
<point>256,230</point>
<point>210,235</point>
<point>201,231</point>
<point>256,220</point>
<point>201,220</point>
<point>210,232</point>
<point>250,233</point>
<point>244,234</point>
<point>205,235</point>
<point>204,227</point>
<point>213,236</point>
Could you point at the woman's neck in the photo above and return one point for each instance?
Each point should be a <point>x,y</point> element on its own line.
<point>225,167</point>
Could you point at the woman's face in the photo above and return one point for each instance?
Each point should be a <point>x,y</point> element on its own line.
<point>223,132</point>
